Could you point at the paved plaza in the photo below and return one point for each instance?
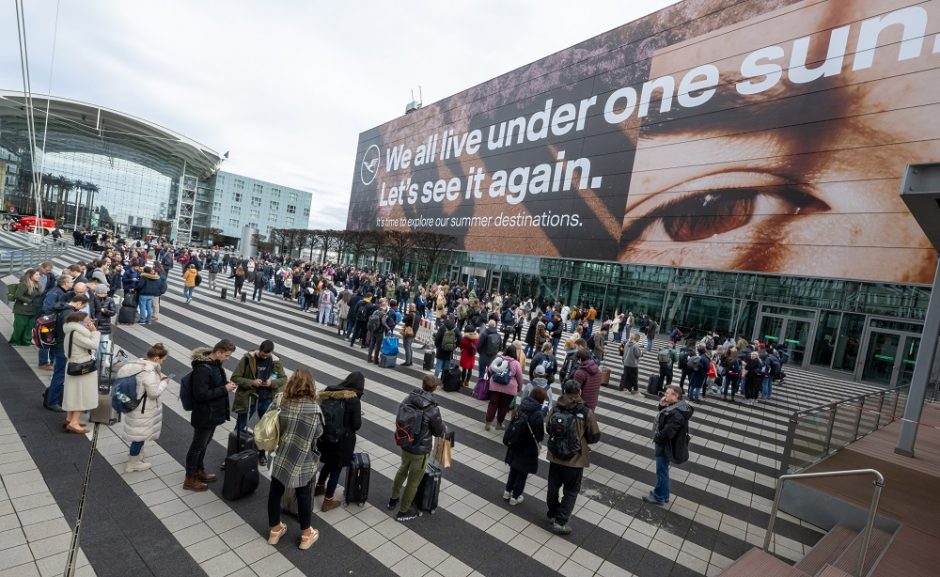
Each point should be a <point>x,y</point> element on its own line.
<point>142,524</point>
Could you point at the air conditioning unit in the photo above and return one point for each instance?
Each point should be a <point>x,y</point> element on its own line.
<point>412,106</point>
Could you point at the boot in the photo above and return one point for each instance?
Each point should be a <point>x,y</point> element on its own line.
<point>262,459</point>
<point>329,504</point>
<point>205,477</point>
<point>319,489</point>
<point>135,463</point>
<point>192,483</point>
<point>466,382</point>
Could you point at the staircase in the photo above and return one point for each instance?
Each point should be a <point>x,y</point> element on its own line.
<point>837,554</point>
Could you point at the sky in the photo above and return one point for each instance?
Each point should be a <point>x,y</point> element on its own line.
<point>286,86</point>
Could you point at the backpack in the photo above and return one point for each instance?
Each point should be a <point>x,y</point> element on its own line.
<point>44,331</point>
<point>665,357</point>
<point>462,312</point>
<point>214,267</point>
<point>362,314</point>
<point>693,363</point>
<point>334,416</point>
<point>500,371</point>
<point>548,365</point>
<point>564,442</point>
<point>186,391</point>
<point>268,430</point>
<point>764,369</point>
<point>408,424</point>
<point>124,397</point>
<point>507,317</point>
<point>449,341</point>
<point>376,320</point>
<point>492,343</point>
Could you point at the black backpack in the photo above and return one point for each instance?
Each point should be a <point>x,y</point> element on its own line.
<point>492,343</point>
<point>362,315</point>
<point>408,424</point>
<point>564,441</point>
<point>334,417</point>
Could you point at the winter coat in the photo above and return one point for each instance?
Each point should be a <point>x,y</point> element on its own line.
<point>342,310</point>
<point>145,422</point>
<point>189,277</point>
<point>245,374</point>
<point>106,310</point>
<point>588,431</point>
<point>540,358</point>
<point>632,353</point>
<point>468,350</point>
<point>672,432</point>
<point>81,392</point>
<point>149,285</point>
<point>538,382</point>
<point>296,460</point>
<point>448,325</point>
<point>210,398</point>
<point>590,377</point>
<point>432,425</point>
<point>599,343</point>
<point>23,301</point>
<point>524,456</point>
<point>515,381</point>
<point>568,366</point>
<point>530,334</point>
<point>337,455</point>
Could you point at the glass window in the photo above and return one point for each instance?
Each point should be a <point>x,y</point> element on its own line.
<point>292,197</point>
<point>276,192</point>
<point>233,222</point>
<point>236,210</point>
<point>239,184</point>
<point>256,189</point>
<point>290,221</point>
<point>848,343</point>
<point>826,333</point>
<point>291,209</point>
<point>306,212</point>
<point>256,201</point>
<point>216,206</point>
<point>253,214</point>
<point>238,197</point>
<point>274,206</point>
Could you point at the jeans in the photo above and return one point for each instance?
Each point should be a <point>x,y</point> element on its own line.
<point>188,292</point>
<point>256,293</point>
<point>766,389</point>
<point>375,346</point>
<point>568,479</point>
<point>324,316</point>
<point>329,476</point>
<point>408,352</point>
<point>212,276</point>
<point>45,356</point>
<point>661,491</point>
<point>304,503</point>
<point>555,342</point>
<point>649,343</point>
<point>145,306</point>
<point>136,448</point>
<point>104,345</point>
<point>515,484</point>
<point>485,361</point>
<point>197,450</point>
<point>57,384</point>
<point>441,365</point>
<point>731,386</point>
<point>260,407</point>
<point>696,382</point>
<point>411,468</point>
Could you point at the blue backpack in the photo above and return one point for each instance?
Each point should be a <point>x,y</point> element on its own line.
<point>124,395</point>
<point>186,391</point>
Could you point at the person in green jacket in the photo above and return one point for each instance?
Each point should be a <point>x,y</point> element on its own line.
<point>23,316</point>
<point>260,374</point>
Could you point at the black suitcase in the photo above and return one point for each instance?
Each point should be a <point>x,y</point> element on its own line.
<point>450,380</point>
<point>224,292</point>
<point>127,315</point>
<point>428,362</point>
<point>241,474</point>
<point>357,479</point>
<point>652,385</point>
<point>430,489</point>
<point>240,442</point>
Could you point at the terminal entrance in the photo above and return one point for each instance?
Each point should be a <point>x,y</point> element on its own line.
<point>890,353</point>
<point>788,328</point>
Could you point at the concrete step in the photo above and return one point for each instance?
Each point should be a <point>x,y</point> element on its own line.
<point>827,550</point>
<point>756,563</point>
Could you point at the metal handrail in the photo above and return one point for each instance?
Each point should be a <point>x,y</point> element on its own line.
<point>14,259</point>
<point>869,521</point>
<point>832,408</point>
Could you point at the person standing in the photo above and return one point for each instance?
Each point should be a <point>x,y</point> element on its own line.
<point>410,325</point>
<point>632,353</point>
<point>259,374</point>
<point>753,378</point>
<point>523,440</point>
<point>337,452</point>
<point>214,268</point>
<point>189,282</point>
<point>239,275</point>
<point>699,366</point>
<point>445,343</point>
<point>468,355</point>
<point>502,394</point>
<point>671,439</point>
<point>295,463</point>
<point>23,312</point>
<point>667,357</point>
<point>326,304</point>
<point>566,473</point>
<point>210,389</point>
<point>589,377</point>
<point>651,329</point>
<point>106,311</point>
<point>144,424</point>
<point>259,283</point>
<point>414,458</point>
<point>148,289</point>
<point>81,391</point>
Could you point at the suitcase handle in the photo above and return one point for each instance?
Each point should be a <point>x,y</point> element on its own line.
<point>238,436</point>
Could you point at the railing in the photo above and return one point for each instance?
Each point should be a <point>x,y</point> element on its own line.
<point>815,433</point>
<point>16,261</point>
<point>869,521</point>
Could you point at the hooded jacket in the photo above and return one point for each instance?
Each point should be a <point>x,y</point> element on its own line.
<point>146,421</point>
<point>672,432</point>
<point>149,284</point>
<point>468,350</point>
<point>245,374</point>
<point>524,456</point>
<point>632,354</point>
<point>338,455</point>
<point>210,398</point>
<point>431,426</point>
<point>448,325</point>
<point>588,430</point>
<point>589,376</point>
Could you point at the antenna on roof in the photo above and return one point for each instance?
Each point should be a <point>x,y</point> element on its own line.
<point>414,104</point>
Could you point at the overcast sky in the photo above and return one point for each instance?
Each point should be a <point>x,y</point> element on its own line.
<point>287,86</point>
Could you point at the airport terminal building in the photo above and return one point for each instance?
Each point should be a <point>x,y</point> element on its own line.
<point>718,164</point>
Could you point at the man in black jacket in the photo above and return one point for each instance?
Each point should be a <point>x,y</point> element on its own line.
<point>671,440</point>
<point>210,389</point>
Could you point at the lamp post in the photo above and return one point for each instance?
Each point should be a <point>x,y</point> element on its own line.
<point>920,191</point>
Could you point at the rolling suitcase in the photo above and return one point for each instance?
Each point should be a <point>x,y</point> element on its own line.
<point>224,292</point>
<point>605,376</point>
<point>104,413</point>
<point>388,361</point>
<point>652,385</point>
<point>241,474</point>
<point>243,297</point>
<point>428,362</point>
<point>430,488</point>
<point>357,479</point>
<point>127,315</point>
<point>450,380</point>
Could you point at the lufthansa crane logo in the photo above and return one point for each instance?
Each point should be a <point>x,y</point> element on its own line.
<point>370,165</point>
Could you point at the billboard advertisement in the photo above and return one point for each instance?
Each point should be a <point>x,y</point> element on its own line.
<point>765,136</point>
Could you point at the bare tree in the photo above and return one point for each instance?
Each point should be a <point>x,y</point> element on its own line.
<point>399,243</point>
<point>216,236</point>
<point>312,241</point>
<point>160,228</point>
<point>376,240</point>
<point>329,239</point>
<point>433,244</point>
<point>357,243</point>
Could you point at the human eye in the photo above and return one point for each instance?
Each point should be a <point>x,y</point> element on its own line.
<point>719,204</point>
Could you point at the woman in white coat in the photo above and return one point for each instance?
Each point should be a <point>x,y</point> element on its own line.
<point>145,422</point>
<point>81,392</point>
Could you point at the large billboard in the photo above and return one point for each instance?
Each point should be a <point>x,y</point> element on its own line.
<point>767,136</point>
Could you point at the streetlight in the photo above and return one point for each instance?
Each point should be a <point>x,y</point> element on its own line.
<point>920,191</point>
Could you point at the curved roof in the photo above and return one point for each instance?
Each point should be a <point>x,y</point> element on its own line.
<point>81,127</point>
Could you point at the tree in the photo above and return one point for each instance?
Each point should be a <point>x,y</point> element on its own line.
<point>311,240</point>
<point>357,243</point>
<point>433,244</point>
<point>399,243</point>
<point>329,239</point>
<point>160,228</point>
<point>376,241</point>
<point>216,236</point>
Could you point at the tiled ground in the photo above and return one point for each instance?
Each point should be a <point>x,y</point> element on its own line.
<point>721,501</point>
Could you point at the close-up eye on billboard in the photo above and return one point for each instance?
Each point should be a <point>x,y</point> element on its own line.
<point>756,136</point>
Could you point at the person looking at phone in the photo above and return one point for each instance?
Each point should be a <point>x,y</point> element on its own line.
<point>210,389</point>
<point>144,423</point>
<point>260,374</point>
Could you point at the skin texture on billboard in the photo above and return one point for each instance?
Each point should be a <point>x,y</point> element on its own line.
<point>766,136</point>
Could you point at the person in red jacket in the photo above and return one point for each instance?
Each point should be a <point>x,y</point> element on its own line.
<point>468,355</point>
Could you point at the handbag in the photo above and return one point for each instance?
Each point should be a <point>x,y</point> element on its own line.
<point>442,450</point>
<point>407,331</point>
<point>481,391</point>
<point>79,369</point>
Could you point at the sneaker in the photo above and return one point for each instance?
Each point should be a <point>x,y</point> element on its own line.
<point>652,500</point>
<point>506,495</point>
<point>516,500</point>
<point>408,515</point>
<point>329,504</point>
<point>561,529</point>
<point>499,426</point>
<point>392,503</point>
